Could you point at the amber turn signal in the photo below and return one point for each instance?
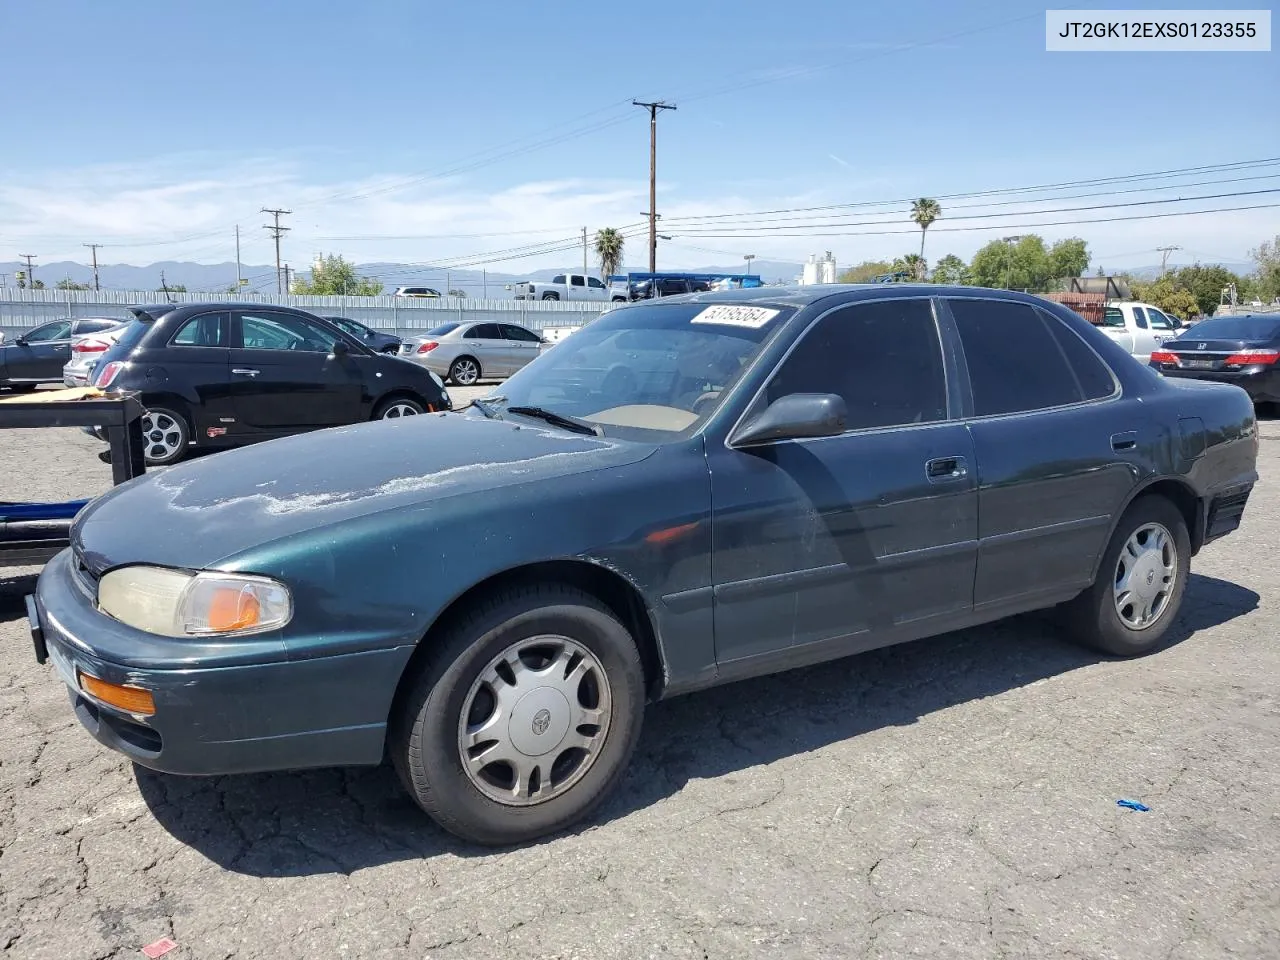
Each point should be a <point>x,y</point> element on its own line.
<point>129,699</point>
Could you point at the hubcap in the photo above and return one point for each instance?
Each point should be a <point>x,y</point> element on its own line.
<point>161,434</point>
<point>465,372</point>
<point>1145,574</point>
<point>397,410</point>
<point>534,721</point>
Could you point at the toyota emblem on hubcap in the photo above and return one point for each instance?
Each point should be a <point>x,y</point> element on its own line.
<point>541,720</point>
<point>1151,576</point>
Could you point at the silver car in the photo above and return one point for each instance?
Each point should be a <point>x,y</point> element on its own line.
<point>465,353</point>
<point>86,349</point>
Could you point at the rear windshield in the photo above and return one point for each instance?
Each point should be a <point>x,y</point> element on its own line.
<point>441,330</point>
<point>1236,328</point>
<point>1113,317</point>
<point>133,333</point>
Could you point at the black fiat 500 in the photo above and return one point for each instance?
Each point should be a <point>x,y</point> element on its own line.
<point>222,375</point>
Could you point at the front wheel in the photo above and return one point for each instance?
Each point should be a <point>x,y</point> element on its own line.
<point>394,408</point>
<point>524,717</point>
<point>1138,591</point>
<point>464,371</point>
<point>165,435</point>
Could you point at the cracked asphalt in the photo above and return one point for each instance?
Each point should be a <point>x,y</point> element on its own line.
<point>953,798</point>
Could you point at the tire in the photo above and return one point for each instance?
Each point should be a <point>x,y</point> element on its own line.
<point>465,372</point>
<point>1094,618</point>
<point>551,296</point>
<point>166,434</point>
<point>393,408</point>
<point>428,725</point>
<point>23,387</point>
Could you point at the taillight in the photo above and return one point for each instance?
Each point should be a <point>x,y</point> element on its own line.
<point>428,346</point>
<point>1252,358</point>
<point>90,346</point>
<point>1164,356</point>
<point>107,374</point>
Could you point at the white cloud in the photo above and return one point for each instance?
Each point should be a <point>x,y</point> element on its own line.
<point>185,207</point>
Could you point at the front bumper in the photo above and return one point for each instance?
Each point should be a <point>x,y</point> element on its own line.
<point>238,706</point>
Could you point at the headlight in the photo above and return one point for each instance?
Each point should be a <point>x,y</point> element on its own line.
<point>172,603</point>
<point>436,378</point>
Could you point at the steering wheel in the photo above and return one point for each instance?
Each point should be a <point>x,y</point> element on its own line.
<point>704,400</point>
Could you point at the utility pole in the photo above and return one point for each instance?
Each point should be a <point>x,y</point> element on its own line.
<point>239,277</point>
<point>287,288</point>
<point>1008,274</point>
<point>584,252</point>
<point>749,257</point>
<point>277,232</point>
<point>653,108</point>
<point>94,248</point>
<point>31,270</point>
<point>1164,256</point>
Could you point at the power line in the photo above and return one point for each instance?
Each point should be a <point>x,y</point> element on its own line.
<point>277,232</point>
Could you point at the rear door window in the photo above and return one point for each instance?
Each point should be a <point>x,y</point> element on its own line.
<point>1094,377</point>
<point>1015,362</point>
<point>514,332</point>
<point>483,331</point>
<point>205,330</point>
<point>578,281</point>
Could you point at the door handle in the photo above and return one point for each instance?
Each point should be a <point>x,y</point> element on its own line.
<point>1124,441</point>
<point>943,469</point>
<point>247,373</point>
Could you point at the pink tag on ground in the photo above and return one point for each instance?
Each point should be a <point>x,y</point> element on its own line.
<point>159,948</point>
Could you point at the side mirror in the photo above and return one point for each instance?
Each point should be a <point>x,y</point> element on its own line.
<point>795,416</point>
<point>340,348</point>
<point>20,341</point>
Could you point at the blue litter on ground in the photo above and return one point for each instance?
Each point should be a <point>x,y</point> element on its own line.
<point>1133,805</point>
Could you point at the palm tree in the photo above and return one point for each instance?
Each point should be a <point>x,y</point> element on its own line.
<point>924,211</point>
<point>609,244</point>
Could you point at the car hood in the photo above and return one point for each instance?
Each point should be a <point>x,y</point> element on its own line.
<point>206,510</point>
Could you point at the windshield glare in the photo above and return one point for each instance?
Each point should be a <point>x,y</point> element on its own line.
<point>1236,328</point>
<point>651,372</point>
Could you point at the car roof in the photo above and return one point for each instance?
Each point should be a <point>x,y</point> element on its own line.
<point>802,296</point>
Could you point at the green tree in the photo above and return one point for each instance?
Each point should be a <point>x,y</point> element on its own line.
<point>951,269</point>
<point>864,272</point>
<point>68,284</point>
<point>1205,283</point>
<point>609,251</point>
<point>1019,266</point>
<point>1169,295</point>
<point>1068,258</point>
<point>912,264</point>
<point>1266,279</point>
<point>924,211</point>
<point>334,276</point>
<point>173,288</point>
<point>38,285</point>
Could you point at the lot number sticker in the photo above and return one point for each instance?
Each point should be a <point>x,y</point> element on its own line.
<point>735,316</point>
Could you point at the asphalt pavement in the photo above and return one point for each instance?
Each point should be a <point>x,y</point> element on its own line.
<point>952,798</point>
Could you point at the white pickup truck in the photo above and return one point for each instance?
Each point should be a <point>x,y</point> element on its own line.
<point>563,286</point>
<point>1138,327</point>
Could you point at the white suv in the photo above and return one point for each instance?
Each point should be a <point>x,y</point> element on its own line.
<point>427,292</point>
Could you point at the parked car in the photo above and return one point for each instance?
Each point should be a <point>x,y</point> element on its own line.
<point>85,351</point>
<point>490,597</point>
<point>466,353</point>
<point>428,292</point>
<point>222,375</point>
<point>563,286</point>
<point>1138,327</point>
<point>666,287</point>
<point>38,356</point>
<point>375,340</point>
<point>1242,350</point>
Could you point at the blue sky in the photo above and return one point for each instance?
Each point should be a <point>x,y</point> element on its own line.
<point>153,127</point>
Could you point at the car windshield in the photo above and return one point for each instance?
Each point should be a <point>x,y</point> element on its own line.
<point>1236,328</point>
<point>441,330</point>
<point>651,372</point>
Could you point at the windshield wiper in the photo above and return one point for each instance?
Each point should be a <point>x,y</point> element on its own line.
<point>482,405</point>
<point>559,420</point>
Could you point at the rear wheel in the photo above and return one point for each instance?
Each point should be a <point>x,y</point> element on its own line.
<point>1138,592</point>
<point>524,717</point>
<point>464,371</point>
<point>165,435</point>
<point>551,296</point>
